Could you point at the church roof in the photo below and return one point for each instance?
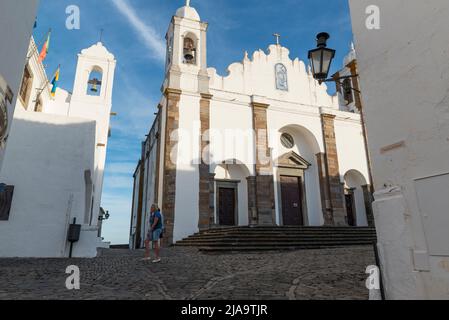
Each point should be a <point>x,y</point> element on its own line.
<point>188,12</point>
<point>98,50</point>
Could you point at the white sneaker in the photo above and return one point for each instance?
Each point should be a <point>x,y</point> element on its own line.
<point>146,259</point>
<point>157,260</point>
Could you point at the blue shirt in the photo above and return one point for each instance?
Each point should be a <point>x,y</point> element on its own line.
<point>153,216</point>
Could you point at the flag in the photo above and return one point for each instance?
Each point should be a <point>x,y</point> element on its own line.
<point>54,82</point>
<point>45,48</point>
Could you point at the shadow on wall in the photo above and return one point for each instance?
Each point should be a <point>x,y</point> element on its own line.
<point>46,160</point>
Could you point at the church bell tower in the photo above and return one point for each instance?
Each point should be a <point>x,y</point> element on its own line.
<point>92,99</point>
<point>186,61</point>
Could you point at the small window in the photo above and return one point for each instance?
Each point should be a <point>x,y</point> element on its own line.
<point>25,88</point>
<point>287,141</point>
<point>347,91</point>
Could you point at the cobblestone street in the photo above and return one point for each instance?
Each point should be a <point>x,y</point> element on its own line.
<point>185,273</point>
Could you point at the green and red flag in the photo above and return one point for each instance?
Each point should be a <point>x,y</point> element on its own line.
<point>45,48</point>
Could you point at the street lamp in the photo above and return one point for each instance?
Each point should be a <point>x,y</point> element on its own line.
<point>104,215</point>
<point>321,60</point>
<point>321,57</point>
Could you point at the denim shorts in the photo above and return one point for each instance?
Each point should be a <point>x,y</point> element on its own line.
<point>155,235</point>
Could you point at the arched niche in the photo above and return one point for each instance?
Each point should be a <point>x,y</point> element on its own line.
<point>354,185</point>
<point>298,161</point>
<point>231,193</point>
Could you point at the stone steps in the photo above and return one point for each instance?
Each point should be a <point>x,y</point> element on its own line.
<point>287,236</point>
<point>278,238</point>
<point>272,240</point>
<point>227,249</point>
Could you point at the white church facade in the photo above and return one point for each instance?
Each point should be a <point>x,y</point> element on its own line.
<point>264,145</point>
<point>55,159</point>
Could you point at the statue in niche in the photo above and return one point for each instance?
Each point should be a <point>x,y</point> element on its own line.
<point>281,77</point>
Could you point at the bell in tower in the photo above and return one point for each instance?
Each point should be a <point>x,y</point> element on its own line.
<point>189,51</point>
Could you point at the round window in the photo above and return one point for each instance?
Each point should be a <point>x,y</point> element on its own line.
<point>287,141</point>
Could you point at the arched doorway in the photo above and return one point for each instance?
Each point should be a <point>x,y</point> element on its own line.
<point>297,186</point>
<point>293,204</point>
<point>231,193</point>
<point>355,199</point>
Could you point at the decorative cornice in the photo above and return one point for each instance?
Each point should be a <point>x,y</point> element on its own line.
<point>206,96</point>
<point>169,91</point>
<point>260,105</point>
<point>328,115</point>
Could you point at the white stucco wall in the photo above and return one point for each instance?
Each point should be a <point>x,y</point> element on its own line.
<point>404,69</point>
<point>16,25</point>
<point>59,113</point>
<point>46,165</point>
<point>187,174</point>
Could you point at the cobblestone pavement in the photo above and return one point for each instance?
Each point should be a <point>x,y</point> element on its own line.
<point>184,273</point>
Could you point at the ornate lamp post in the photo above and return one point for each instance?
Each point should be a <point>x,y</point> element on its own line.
<point>321,60</point>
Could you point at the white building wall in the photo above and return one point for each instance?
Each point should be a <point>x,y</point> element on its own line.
<point>231,134</point>
<point>350,145</point>
<point>404,69</point>
<point>46,166</point>
<point>16,25</point>
<point>61,115</point>
<point>187,175</point>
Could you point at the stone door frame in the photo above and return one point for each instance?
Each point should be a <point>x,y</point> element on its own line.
<point>228,184</point>
<point>293,165</point>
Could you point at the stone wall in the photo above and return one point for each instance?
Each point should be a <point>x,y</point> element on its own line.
<point>169,193</point>
<point>333,171</point>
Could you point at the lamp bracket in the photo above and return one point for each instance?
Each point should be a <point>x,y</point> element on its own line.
<point>337,79</point>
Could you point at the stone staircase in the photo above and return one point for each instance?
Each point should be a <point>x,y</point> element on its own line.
<point>278,238</point>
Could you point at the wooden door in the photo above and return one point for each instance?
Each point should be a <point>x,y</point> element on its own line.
<point>292,211</point>
<point>350,209</point>
<point>226,207</point>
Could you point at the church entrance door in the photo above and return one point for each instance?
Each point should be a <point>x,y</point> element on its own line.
<point>350,209</point>
<point>227,206</point>
<point>292,195</point>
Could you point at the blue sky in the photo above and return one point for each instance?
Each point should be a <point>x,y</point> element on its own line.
<point>134,32</point>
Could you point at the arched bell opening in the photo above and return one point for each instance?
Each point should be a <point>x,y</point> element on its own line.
<point>94,84</point>
<point>190,49</point>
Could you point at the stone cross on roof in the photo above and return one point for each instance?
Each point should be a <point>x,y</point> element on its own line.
<point>187,3</point>
<point>277,35</point>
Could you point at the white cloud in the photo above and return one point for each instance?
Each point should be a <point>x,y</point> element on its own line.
<point>147,33</point>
